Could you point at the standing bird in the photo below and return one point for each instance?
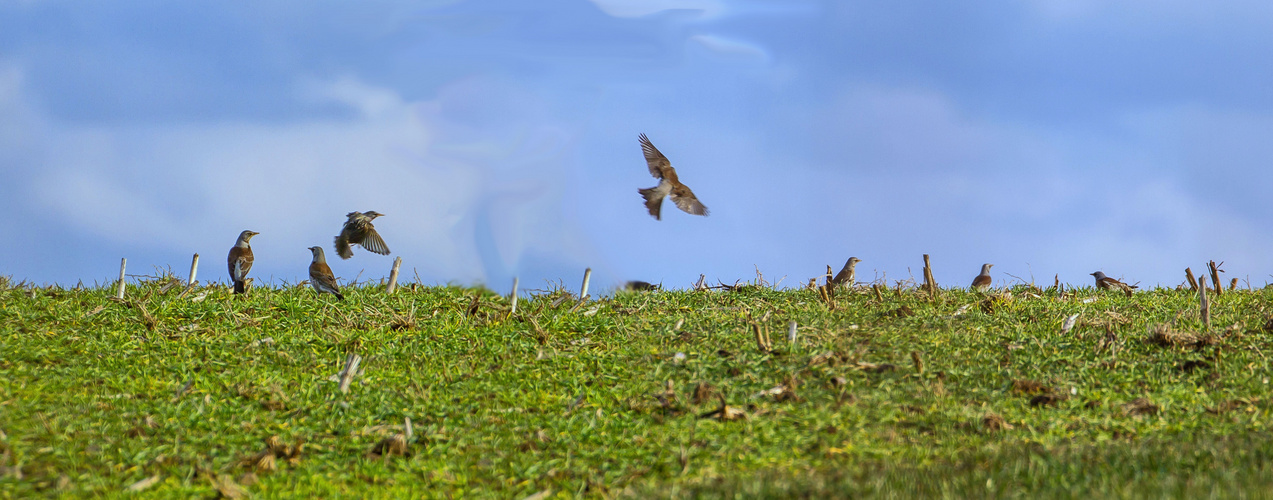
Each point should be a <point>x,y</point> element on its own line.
<point>1107,283</point>
<point>240,261</point>
<point>358,229</point>
<point>982,281</point>
<point>848,274</point>
<point>320,275</point>
<point>662,169</point>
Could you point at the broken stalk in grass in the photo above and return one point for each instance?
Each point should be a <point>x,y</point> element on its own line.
<point>351,369</point>
<point>194,269</point>
<point>122,264</point>
<point>393,275</point>
<point>583,290</point>
<point>1204,305</point>
<point>514,296</point>
<point>929,282</point>
<point>1215,277</point>
<point>791,333</point>
<point>1193,282</point>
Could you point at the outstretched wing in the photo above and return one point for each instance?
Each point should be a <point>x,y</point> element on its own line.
<point>653,158</point>
<point>686,201</point>
<point>373,243</point>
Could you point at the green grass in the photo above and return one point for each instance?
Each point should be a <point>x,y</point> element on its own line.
<point>563,398</point>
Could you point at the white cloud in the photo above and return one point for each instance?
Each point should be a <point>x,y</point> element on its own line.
<point>192,187</point>
<point>640,8</point>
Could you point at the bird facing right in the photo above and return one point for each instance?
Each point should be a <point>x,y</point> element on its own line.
<point>982,281</point>
<point>848,274</point>
<point>669,183</point>
<point>320,275</point>
<point>240,260</point>
<point>358,230</point>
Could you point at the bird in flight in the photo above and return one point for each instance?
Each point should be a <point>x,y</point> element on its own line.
<point>982,281</point>
<point>240,260</point>
<point>320,275</point>
<point>358,230</point>
<point>662,170</point>
<point>1107,283</point>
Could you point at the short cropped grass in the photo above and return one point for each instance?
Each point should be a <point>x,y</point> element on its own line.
<point>884,392</point>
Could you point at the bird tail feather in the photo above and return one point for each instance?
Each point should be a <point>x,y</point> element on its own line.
<point>342,248</point>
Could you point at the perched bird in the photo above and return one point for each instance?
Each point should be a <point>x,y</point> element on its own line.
<point>662,169</point>
<point>1107,283</point>
<point>358,230</point>
<point>847,275</point>
<point>240,261</point>
<point>982,281</point>
<point>320,275</point>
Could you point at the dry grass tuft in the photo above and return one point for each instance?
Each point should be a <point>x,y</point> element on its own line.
<point>1026,386</point>
<point>995,423</point>
<point>1140,406</point>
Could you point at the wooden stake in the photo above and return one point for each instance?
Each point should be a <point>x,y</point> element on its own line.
<point>120,294</point>
<point>194,269</point>
<point>1233,284</point>
<point>762,338</point>
<point>1204,305</point>
<point>514,298</point>
<point>929,282</point>
<point>393,275</point>
<point>1215,278</point>
<point>587,276</point>
<point>1193,282</point>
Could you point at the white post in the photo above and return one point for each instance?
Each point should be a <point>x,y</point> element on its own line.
<point>393,275</point>
<point>514,311</point>
<point>194,269</point>
<point>122,264</point>
<point>587,275</point>
<point>791,332</point>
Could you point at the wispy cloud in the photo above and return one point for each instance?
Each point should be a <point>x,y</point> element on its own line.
<point>448,194</point>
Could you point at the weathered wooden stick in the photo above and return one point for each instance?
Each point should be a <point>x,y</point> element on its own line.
<point>514,298</point>
<point>791,332</point>
<point>587,276</point>
<point>351,369</point>
<point>1233,284</point>
<point>928,277</point>
<point>120,294</point>
<point>393,275</point>
<point>1215,278</point>
<point>1193,282</point>
<point>407,430</point>
<point>762,343</point>
<point>1204,305</point>
<point>194,269</point>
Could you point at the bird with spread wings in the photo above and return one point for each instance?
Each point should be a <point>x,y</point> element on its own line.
<point>669,184</point>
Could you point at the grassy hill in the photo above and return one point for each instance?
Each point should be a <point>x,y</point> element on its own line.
<point>181,393</point>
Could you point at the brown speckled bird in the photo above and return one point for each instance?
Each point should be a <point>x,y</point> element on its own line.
<point>320,275</point>
<point>982,281</point>
<point>240,261</point>
<point>1107,283</point>
<point>358,230</point>
<point>662,169</point>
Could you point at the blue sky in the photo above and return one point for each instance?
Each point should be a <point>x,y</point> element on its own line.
<point>1048,137</point>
